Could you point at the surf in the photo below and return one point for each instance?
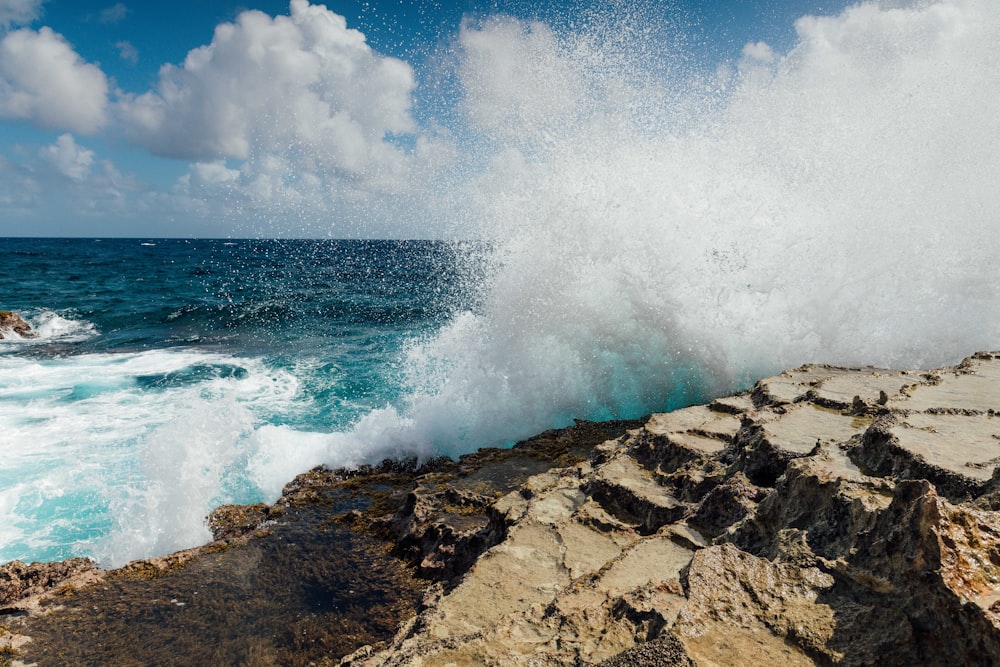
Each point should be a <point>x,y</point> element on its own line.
<point>666,233</point>
<point>653,229</point>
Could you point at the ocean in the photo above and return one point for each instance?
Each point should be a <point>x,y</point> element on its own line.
<point>170,376</point>
<point>656,230</point>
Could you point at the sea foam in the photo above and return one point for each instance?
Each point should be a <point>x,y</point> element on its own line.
<point>120,456</point>
<point>662,230</point>
<point>48,327</point>
<point>667,231</point>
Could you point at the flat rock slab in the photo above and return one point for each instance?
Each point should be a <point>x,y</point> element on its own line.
<point>972,387</point>
<point>967,445</point>
<point>800,428</point>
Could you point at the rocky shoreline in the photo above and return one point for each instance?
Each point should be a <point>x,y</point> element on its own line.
<point>829,516</point>
<point>12,323</point>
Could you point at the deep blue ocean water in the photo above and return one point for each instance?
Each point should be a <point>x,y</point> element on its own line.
<point>164,367</point>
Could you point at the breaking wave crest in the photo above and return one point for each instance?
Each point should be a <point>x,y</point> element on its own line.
<point>666,232</point>
<point>661,230</point>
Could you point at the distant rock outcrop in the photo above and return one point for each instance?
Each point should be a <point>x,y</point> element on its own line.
<point>846,516</point>
<point>11,322</point>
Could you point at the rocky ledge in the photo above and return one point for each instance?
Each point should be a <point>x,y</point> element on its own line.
<point>831,515</point>
<point>11,322</point>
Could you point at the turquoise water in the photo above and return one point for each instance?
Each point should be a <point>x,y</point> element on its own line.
<point>141,404</point>
<point>661,230</point>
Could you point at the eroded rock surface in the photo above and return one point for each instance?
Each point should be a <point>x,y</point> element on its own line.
<point>831,516</point>
<point>12,323</point>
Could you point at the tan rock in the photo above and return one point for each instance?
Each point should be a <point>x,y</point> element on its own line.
<point>12,323</point>
<point>825,553</point>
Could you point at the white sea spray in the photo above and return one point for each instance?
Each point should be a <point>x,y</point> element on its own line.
<point>666,233</point>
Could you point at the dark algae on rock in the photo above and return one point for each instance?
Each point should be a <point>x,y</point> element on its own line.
<point>302,590</point>
<point>830,516</point>
<point>337,563</point>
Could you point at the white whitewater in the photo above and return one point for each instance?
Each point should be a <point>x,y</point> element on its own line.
<point>667,232</point>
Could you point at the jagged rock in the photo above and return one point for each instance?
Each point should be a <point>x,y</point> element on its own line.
<point>444,531</point>
<point>664,651</point>
<point>958,453</point>
<point>19,581</point>
<point>11,322</point>
<point>825,496</point>
<point>829,516</point>
<point>742,609</point>
<point>727,504</point>
<point>230,521</point>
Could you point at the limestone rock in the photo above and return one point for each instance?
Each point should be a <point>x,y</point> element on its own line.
<point>742,609</point>
<point>11,322</point>
<point>830,515</point>
<point>20,581</point>
<point>798,524</point>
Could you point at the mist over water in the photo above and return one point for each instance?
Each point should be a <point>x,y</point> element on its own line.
<point>667,231</point>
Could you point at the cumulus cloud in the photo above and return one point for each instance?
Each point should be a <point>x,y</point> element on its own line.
<point>68,157</point>
<point>759,52</point>
<point>18,12</point>
<point>44,81</point>
<point>287,96</point>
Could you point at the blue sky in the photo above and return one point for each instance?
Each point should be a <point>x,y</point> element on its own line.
<point>148,119</point>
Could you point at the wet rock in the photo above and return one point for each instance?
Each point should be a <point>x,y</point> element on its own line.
<point>20,581</point>
<point>443,531</point>
<point>831,543</point>
<point>11,322</point>
<point>829,516</point>
<point>230,521</point>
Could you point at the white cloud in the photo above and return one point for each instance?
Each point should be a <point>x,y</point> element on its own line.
<point>305,87</point>
<point>44,81</point>
<point>213,173</point>
<point>68,157</point>
<point>757,61</point>
<point>113,14</point>
<point>127,51</point>
<point>19,12</point>
<point>759,52</point>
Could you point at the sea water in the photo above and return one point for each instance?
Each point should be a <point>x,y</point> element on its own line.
<point>165,371</point>
<point>658,229</point>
